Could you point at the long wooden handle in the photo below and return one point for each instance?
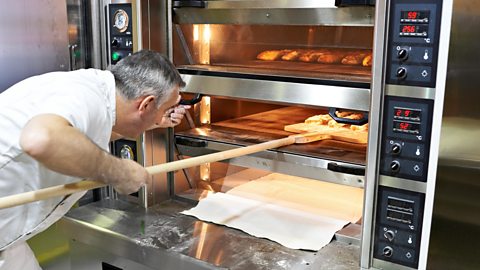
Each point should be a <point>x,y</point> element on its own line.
<point>62,190</point>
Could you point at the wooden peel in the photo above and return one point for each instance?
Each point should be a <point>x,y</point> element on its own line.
<point>338,134</point>
<point>63,190</point>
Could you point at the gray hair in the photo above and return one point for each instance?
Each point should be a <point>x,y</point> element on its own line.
<point>146,73</point>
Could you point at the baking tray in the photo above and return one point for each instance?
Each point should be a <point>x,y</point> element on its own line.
<point>335,72</point>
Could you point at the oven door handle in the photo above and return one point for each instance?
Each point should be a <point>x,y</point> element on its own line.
<point>190,142</point>
<point>348,169</point>
<point>359,122</point>
<point>197,98</point>
<point>189,3</point>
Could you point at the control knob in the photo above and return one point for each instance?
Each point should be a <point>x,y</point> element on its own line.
<point>402,54</point>
<point>115,42</point>
<point>395,166</point>
<point>390,235</point>
<point>401,73</point>
<point>396,148</point>
<point>387,251</point>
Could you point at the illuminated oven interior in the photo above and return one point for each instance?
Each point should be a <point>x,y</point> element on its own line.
<point>319,52</point>
<point>235,122</point>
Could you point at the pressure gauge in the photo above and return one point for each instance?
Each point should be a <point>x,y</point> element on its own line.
<point>120,20</point>
<point>126,152</point>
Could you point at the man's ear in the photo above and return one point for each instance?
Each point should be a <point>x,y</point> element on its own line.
<point>146,103</point>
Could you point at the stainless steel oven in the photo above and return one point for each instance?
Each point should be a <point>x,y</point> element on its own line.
<point>257,66</point>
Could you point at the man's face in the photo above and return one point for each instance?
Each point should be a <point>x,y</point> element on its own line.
<point>167,103</point>
<point>143,113</point>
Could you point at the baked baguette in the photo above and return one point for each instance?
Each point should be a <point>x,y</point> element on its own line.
<point>334,124</point>
<point>272,55</point>
<point>333,57</point>
<point>321,119</point>
<point>367,61</point>
<point>291,56</point>
<point>363,127</point>
<point>353,59</point>
<point>311,56</point>
<point>326,120</point>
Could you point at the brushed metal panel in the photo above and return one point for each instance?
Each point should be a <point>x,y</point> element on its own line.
<point>270,4</point>
<point>280,92</point>
<point>409,91</point>
<point>276,15</point>
<point>155,26</point>
<point>314,168</point>
<point>77,34</point>
<point>33,38</point>
<point>171,240</point>
<point>375,120</point>
<point>459,150</point>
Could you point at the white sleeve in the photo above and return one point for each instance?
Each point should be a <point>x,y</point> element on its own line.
<point>83,109</point>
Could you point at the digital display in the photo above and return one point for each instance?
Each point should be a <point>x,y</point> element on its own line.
<point>413,30</point>
<point>406,113</point>
<point>406,127</point>
<point>414,16</point>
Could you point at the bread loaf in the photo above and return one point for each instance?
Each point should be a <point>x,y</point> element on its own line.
<point>272,55</point>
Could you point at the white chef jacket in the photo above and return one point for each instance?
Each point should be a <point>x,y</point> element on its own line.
<point>86,98</point>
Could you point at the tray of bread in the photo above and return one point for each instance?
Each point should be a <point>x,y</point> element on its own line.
<point>325,124</point>
<point>354,57</point>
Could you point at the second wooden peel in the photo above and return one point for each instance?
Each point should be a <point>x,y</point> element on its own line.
<point>338,134</point>
<point>67,189</point>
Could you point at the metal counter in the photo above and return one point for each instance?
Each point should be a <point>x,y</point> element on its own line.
<point>126,236</point>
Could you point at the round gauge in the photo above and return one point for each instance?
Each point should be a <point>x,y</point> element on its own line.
<point>126,152</point>
<point>120,20</point>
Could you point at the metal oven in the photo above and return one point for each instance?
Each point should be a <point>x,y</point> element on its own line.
<point>248,99</point>
<point>254,67</point>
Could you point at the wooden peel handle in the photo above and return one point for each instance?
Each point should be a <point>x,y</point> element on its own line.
<point>62,190</point>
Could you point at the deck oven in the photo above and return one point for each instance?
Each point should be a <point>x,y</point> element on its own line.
<point>399,71</point>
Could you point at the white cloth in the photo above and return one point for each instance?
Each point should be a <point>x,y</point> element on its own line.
<point>296,212</point>
<point>86,98</point>
<point>18,256</point>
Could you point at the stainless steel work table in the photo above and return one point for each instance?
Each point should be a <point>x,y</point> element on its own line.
<point>126,236</point>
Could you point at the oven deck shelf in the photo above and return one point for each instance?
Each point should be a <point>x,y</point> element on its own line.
<point>267,126</point>
<point>353,75</point>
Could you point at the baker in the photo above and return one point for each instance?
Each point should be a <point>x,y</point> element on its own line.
<point>55,129</point>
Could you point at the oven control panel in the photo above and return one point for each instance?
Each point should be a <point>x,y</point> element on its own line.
<point>399,223</point>
<point>413,47</point>
<point>410,79</point>
<point>405,138</point>
<point>120,41</point>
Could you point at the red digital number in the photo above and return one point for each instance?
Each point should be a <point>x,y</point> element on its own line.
<point>407,113</point>
<point>404,126</point>
<point>398,113</point>
<point>412,15</point>
<point>408,29</point>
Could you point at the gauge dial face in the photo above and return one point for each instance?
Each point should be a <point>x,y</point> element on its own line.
<point>120,20</point>
<point>126,152</point>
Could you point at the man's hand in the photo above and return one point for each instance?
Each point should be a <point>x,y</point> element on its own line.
<point>172,116</point>
<point>130,177</point>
